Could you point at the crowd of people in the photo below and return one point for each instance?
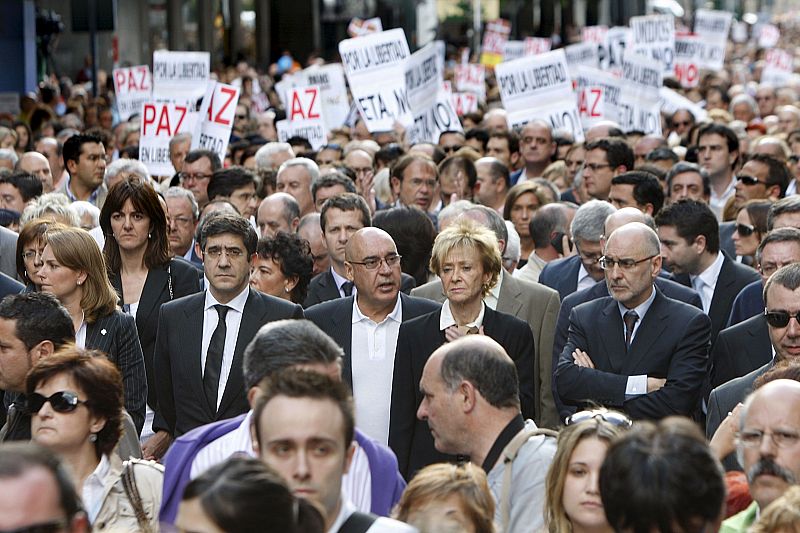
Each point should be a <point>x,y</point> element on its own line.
<point>503,331</point>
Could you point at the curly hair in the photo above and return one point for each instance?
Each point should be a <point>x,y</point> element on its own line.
<point>293,254</point>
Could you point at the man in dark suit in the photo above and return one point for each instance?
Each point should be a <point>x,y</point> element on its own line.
<point>689,234</point>
<point>636,350</point>
<point>739,350</point>
<point>366,325</point>
<point>9,285</point>
<point>183,214</point>
<point>580,271</point>
<point>201,337</point>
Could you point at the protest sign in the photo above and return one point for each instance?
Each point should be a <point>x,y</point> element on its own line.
<point>768,36</point>
<point>333,91</point>
<point>375,67</point>
<point>539,87</point>
<point>215,120</point>
<point>598,94</point>
<point>495,36</point>
<point>133,86</point>
<point>180,76</point>
<point>471,78</point>
<point>581,54</point>
<point>9,103</point>
<point>611,50</point>
<point>464,103</point>
<point>640,108</point>
<point>513,50</point>
<point>688,49</point>
<point>739,32</point>
<point>654,37</point>
<point>430,103</point>
<point>160,122</point>
<point>594,34</point>
<point>537,45</point>
<point>671,101</point>
<point>713,28</point>
<point>777,67</point>
<point>359,27</point>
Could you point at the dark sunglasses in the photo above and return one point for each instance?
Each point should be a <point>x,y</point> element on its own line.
<point>61,402</point>
<point>744,230</point>
<point>750,180</point>
<point>614,418</point>
<point>780,319</point>
<point>44,527</point>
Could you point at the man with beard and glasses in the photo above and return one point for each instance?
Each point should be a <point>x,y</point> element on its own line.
<point>768,446</point>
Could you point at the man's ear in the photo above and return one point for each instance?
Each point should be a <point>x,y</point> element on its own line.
<point>774,192</point>
<point>700,240</point>
<point>467,395</point>
<point>395,185</point>
<point>254,437</point>
<point>72,166</point>
<point>252,396</point>
<point>41,350</point>
<point>198,250</point>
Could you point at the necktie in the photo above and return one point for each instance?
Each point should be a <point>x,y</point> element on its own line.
<point>213,367</point>
<point>630,319</point>
<point>347,288</point>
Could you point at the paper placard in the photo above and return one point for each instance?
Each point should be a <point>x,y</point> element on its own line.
<point>768,36</point>
<point>133,86</point>
<point>471,78</point>
<point>777,67</point>
<point>591,82</point>
<point>654,37</point>
<point>672,101</point>
<point>594,34</point>
<point>688,50</point>
<point>161,121</point>
<point>713,28</point>
<point>464,103</point>
<point>639,107</point>
<point>612,49</point>
<point>513,50</point>
<point>180,76</point>
<point>537,45</point>
<point>430,103</point>
<point>581,54</point>
<point>359,27</point>
<point>215,120</point>
<point>495,36</point>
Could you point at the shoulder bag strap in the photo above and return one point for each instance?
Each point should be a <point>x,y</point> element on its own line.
<point>132,492</point>
<point>358,523</point>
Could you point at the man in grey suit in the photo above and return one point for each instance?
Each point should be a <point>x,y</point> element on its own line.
<point>782,300</point>
<point>366,325</point>
<point>8,252</point>
<point>531,302</point>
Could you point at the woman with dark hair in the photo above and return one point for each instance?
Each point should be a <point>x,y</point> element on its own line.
<point>751,226</point>
<point>24,137</point>
<point>413,233</point>
<point>283,267</point>
<point>30,245</point>
<point>139,266</point>
<point>244,495</point>
<point>75,272</point>
<point>75,401</point>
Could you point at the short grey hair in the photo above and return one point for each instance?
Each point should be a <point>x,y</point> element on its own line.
<point>512,252</point>
<point>7,154</point>
<point>590,219</point>
<point>133,166</point>
<point>179,138</point>
<point>310,166</point>
<point>744,98</point>
<point>186,194</point>
<point>264,154</point>
<point>85,208</point>
<point>452,210</point>
<point>493,221</point>
<point>54,203</point>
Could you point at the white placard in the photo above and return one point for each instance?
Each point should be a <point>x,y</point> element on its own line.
<point>768,36</point>
<point>777,67</point>
<point>375,68</point>
<point>672,101</point>
<point>133,86</point>
<point>305,116</point>
<point>215,120</point>
<point>594,34</point>
<point>739,32</point>
<point>640,108</point>
<point>430,102</point>
<point>591,82</point>
<point>713,27</point>
<point>537,45</point>
<point>513,50</point>
<point>561,114</point>
<point>160,122</point>
<point>471,78</point>
<point>180,76</point>
<point>688,50</point>
<point>9,103</point>
<point>314,131</point>
<point>359,27</point>
<point>581,54</point>
<point>333,91</point>
<point>654,36</point>
<point>612,49</point>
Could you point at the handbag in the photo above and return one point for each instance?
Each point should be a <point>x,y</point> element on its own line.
<point>132,492</point>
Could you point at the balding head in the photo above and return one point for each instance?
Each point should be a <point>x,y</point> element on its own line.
<point>278,212</point>
<point>36,164</point>
<point>626,215</point>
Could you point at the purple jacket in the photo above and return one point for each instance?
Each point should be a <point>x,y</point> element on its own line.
<point>387,483</point>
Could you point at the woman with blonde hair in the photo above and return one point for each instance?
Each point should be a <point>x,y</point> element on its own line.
<point>444,495</point>
<point>74,271</point>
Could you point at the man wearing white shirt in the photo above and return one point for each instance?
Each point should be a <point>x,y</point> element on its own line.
<point>717,153</point>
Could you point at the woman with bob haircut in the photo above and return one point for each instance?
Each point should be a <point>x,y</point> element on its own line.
<point>573,502</point>
<point>448,497</point>
<point>244,495</point>
<point>283,267</point>
<point>466,256</point>
<point>75,401</point>
<point>74,271</point>
<point>140,269</point>
<point>30,245</point>
<point>522,201</point>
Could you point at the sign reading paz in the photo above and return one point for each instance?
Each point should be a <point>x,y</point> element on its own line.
<point>215,120</point>
<point>133,87</point>
<point>160,122</point>
<point>304,117</point>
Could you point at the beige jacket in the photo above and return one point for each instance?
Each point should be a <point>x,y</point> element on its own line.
<point>116,512</point>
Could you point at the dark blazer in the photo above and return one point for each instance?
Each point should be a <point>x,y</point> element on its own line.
<point>732,278</point>
<point>562,275</point>
<point>748,303</point>
<point>334,317</point>
<point>409,437</point>
<point>178,373</point>
<point>670,289</point>
<point>9,285</point>
<point>726,244</point>
<point>116,336</point>
<point>739,349</point>
<point>322,288</point>
<point>671,342</point>
<point>156,291</point>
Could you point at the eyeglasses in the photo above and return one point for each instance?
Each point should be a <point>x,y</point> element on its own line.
<point>612,417</point>
<point>594,167</point>
<point>30,255</point>
<point>43,527</point>
<point>371,263</point>
<point>744,230</point>
<point>782,439</point>
<point>448,149</point>
<point>606,263</point>
<point>780,319</point>
<point>215,252</point>
<point>179,221</point>
<point>61,402</point>
<point>750,180</point>
<point>193,177</point>
<point>794,159</point>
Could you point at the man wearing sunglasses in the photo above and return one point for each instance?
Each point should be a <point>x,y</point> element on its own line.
<point>762,176</point>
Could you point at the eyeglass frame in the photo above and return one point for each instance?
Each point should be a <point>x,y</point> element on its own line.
<point>184,177</point>
<point>780,312</point>
<point>751,181</point>
<point>628,265</point>
<point>394,258</point>
<point>749,230</point>
<point>781,442</point>
<point>69,397</point>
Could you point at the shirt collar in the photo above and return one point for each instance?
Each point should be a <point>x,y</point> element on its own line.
<point>516,425</point>
<point>92,197</point>
<point>446,317</point>
<point>582,273</point>
<point>339,280</point>
<point>710,275</point>
<point>96,478</point>
<point>236,304</point>
<point>188,254</point>
<point>396,314</point>
<point>495,290</point>
<point>640,309</point>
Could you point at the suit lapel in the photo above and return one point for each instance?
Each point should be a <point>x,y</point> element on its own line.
<point>510,298</point>
<point>722,296</point>
<point>613,339</point>
<point>329,290</point>
<point>342,320</point>
<point>99,335</point>
<point>191,334</point>
<point>653,325</point>
<point>155,284</point>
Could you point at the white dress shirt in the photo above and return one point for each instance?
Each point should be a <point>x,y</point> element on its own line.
<point>372,361</point>
<point>584,279</point>
<point>341,281</point>
<point>446,318</point>
<point>636,385</point>
<point>92,492</point>
<point>493,297</point>
<point>717,203</point>
<point>705,282</point>
<point>232,322</point>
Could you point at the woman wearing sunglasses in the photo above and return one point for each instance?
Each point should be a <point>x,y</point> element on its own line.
<point>75,401</point>
<point>751,226</point>
<point>573,496</point>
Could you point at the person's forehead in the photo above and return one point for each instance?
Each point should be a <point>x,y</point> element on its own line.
<point>597,153</point>
<point>92,148</point>
<point>332,190</point>
<point>199,164</point>
<point>335,215</point>
<point>293,173</point>
<point>756,167</point>
<point>419,168</point>
<point>9,328</point>
<point>688,177</point>
<point>225,239</point>
<point>373,243</point>
<point>780,297</point>
<point>177,203</point>
<point>301,419</point>
<point>498,143</point>
<point>32,497</point>
<point>791,219</point>
<point>712,139</point>
<point>783,251</point>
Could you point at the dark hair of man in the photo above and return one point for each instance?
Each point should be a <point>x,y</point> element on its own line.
<point>293,255</point>
<point>285,343</point>
<point>646,188</point>
<point>243,494</point>
<point>218,223</point>
<point>413,233</point>
<point>403,163</point>
<point>74,146</point>
<point>497,170</point>
<point>618,153</point>
<point>17,458</point>
<point>778,173</point>
<point>656,171</point>
<point>691,218</point>
<point>332,179</point>
<point>105,136</point>
<point>294,383</point>
<point>680,485</point>
<point>786,234</point>
<point>38,317</point>
<point>493,221</point>
<point>29,186</point>
<point>544,222</point>
<point>720,129</point>
<point>144,199</point>
<point>683,167</point>
<point>790,204</point>
<point>493,375</point>
<point>723,94</point>
<point>297,140</point>
<point>387,155</point>
<point>479,134</point>
<point>346,202</point>
<point>462,163</point>
<point>662,154</point>
<point>213,157</point>
<point>787,277</point>
<point>512,139</point>
<point>226,181</point>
